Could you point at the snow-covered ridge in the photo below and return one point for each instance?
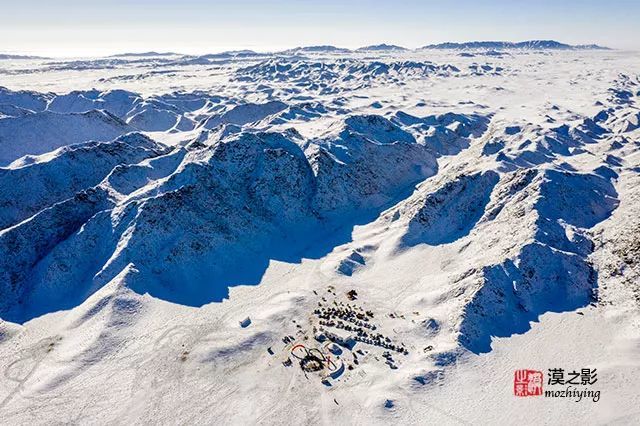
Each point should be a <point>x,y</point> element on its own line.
<point>327,76</point>
<point>64,172</point>
<point>346,171</point>
<point>41,132</point>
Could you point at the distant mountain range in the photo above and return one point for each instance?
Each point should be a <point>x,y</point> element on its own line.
<point>328,49</point>
<point>317,49</point>
<point>232,54</point>
<point>493,45</point>
<point>145,54</point>
<point>529,44</point>
<point>8,56</point>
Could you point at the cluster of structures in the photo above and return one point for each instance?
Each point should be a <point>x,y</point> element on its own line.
<point>347,323</point>
<point>389,360</point>
<point>337,327</point>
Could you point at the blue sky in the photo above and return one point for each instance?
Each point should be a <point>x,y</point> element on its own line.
<point>84,27</point>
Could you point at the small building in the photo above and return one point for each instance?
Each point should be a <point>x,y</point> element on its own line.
<point>341,337</point>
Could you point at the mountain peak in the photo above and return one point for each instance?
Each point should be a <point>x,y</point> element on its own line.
<point>382,47</point>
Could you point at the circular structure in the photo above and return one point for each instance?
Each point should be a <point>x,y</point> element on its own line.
<point>311,363</point>
<point>315,359</point>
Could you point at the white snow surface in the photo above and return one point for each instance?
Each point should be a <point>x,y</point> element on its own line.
<point>171,227</point>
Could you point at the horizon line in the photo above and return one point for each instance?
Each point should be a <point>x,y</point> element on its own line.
<point>276,49</point>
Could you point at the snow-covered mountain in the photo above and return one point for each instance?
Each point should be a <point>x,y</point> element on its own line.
<point>529,44</point>
<point>176,231</point>
<point>382,48</point>
<point>322,49</point>
<point>42,132</point>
